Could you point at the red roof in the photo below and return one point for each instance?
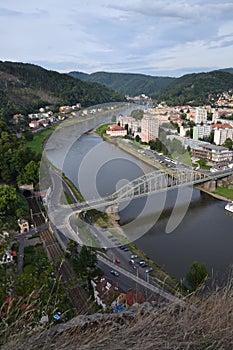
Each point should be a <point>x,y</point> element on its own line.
<point>116,127</point>
<point>222,126</point>
<point>135,296</point>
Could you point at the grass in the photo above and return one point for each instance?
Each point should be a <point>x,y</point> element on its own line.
<point>202,323</point>
<point>101,130</point>
<point>68,199</point>
<point>184,158</point>
<point>74,189</point>
<point>224,192</point>
<point>36,145</point>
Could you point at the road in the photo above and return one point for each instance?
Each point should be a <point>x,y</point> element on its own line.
<point>132,277</point>
<point>137,280</point>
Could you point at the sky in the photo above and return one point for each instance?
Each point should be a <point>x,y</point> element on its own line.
<point>160,38</point>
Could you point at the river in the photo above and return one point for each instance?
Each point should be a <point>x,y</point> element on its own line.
<point>205,234</point>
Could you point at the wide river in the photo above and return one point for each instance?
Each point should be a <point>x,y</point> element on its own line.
<point>174,228</point>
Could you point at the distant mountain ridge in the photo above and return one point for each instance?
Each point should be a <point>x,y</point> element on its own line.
<point>25,87</point>
<point>198,88</point>
<point>131,84</point>
<point>195,88</point>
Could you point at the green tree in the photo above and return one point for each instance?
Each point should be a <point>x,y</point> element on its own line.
<point>197,275</point>
<point>202,162</point>
<point>30,174</point>
<point>137,114</point>
<point>183,116</point>
<point>228,143</point>
<point>137,138</point>
<point>8,199</point>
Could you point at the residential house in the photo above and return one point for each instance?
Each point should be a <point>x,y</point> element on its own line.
<point>105,292</point>
<point>116,130</point>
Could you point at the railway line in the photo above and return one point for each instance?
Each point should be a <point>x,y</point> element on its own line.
<point>65,273</point>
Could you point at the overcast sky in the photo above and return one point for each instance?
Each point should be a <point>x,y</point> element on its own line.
<point>156,37</point>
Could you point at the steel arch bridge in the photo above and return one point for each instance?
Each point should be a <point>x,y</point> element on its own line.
<point>154,182</point>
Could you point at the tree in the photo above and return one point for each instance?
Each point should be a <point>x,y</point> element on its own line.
<point>137,138</point>
<point>8,199</point>
<point>202,162</point>
<point>197,275</point>
<point>30,173</point>
<point>228,143</point>
<point>183,116</point>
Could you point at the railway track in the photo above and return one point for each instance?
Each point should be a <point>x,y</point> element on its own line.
<point>76,293</point>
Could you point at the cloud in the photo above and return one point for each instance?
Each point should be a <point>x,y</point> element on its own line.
<point>184,10</point>
<point>6,12</point>
<point>152,37</point>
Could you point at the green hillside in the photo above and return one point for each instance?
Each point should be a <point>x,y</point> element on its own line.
<point>197,89</point>
<point>127,83</point>
<point>24,87</point>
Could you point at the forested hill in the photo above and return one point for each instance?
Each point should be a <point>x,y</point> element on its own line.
<point>24,87</point>
<point>198,88</point>
<point>127,83</point>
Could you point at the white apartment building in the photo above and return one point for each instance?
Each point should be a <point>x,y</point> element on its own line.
<point>201,131</point>
<point>221,134</point>
<point>200,115</point>
<point>133,124</point>
<point>150,128</point>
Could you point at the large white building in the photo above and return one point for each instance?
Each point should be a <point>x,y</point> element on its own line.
<point>133,124</point>
<point>202,149</point>
<point>201,131</point>
<point>150,128</point>
<point>221,134</point>
<point>200,115</point>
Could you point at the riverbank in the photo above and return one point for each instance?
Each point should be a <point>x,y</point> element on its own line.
<point>212,194</point>
<point>221,193</point>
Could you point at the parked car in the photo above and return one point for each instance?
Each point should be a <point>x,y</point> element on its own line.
<point>134,256</point>
<point>115,273</point>
<point>143,264</point>
<point>149,269</point>
<point>117,261</point>
<point>122,247</point>
<point>126,249</point>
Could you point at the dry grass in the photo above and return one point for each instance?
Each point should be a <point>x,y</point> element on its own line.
<point>209,327</point>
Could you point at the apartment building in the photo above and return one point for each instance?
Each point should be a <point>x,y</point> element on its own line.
<point>150,128</point>
<point>201,131</point>
<point>133,124</point>
<point>222,132</point>
<point>200,115</point>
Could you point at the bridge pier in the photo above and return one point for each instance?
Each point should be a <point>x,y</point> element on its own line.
<point>112,210</point>
<point>210,186</point>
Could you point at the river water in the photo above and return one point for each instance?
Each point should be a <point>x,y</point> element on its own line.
<point>205,234</point>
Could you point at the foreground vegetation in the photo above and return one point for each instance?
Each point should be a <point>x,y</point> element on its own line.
<point>200,324</point>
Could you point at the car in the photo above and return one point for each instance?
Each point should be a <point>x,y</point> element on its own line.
<point>122,247</point>
<point>141,262</point>
<point>134,256</point>
<point>131,261</point>
<point>149,269</point>
<point>126,249</point>
<point>117,261</point>
<point>115,273</point>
